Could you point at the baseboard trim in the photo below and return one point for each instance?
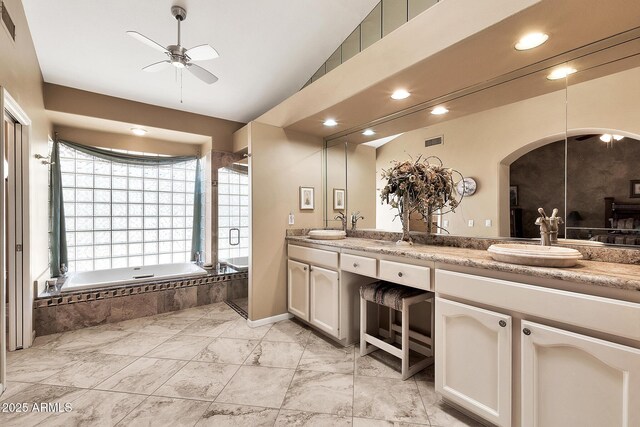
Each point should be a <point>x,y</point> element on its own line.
<point>269,320</point>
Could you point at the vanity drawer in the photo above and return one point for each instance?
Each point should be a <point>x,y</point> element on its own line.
<point>359,265</point>
<point>313,256</point>
<point>405,274</point>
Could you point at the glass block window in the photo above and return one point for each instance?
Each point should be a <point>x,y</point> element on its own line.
<point>233,213</point>
<point>120,215</point>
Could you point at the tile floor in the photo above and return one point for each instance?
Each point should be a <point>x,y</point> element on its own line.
<point>204,366</point>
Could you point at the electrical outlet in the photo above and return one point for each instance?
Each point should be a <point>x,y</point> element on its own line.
<point>445,223</point>
<point>487,223</point>
<point>470,223</point>
<point>291,219</point>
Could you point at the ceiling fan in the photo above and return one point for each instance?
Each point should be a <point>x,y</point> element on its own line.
<point>177,55</point>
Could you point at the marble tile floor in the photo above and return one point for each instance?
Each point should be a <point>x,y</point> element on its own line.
<point>204,366</point>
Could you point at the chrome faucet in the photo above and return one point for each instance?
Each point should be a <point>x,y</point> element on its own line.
<point>343,219</point>
<point>355,216</point>
<point>548,227</point>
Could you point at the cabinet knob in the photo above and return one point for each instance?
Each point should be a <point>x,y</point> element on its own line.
<point>502,323</point>
<point>355,265</point>
<point>526,331</point>
<point>305,269</point>
<point>400,274</point>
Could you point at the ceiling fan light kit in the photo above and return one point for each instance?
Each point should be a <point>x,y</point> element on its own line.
<point>177,55</point>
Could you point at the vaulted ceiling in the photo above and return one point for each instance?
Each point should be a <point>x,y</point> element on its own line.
<point>268,49</point>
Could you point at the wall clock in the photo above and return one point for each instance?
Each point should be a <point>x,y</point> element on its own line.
<point>466,186</point>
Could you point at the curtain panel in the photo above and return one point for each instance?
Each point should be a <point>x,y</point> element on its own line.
<point>58,243</point>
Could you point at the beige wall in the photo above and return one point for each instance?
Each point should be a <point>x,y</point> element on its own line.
<point>127,142</point>
<point>20,76</point>
<point>482,145</point>
<point>280,163</point>
<point>74,101</point>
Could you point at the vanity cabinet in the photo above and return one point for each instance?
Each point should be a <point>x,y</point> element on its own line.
<point>324,297</point>
<point>570,379</point>
<point>565,378</point>
<point>298,289</point>
<point>473,359</point>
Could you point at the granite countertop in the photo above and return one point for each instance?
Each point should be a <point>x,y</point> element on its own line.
<point>606,274</point>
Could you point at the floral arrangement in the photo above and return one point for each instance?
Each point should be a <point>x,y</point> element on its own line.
<point>419,186</point>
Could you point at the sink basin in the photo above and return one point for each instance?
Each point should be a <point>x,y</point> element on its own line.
<point>327,234</point>
<point>539,256</point>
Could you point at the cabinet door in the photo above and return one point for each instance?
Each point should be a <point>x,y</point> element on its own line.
<point>298,289</point>
<point>325,300</point>
<point>473,359</point>
<point>575,380</point>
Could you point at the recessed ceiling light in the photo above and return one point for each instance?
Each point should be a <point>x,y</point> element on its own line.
<point>139,131</point>
<point>400,94</point>
<point>439,110</point>
<point>368,132</point>
<point>531,40</point>
<point>607,137</point>
<point>561,73</point>
<point>330,122</point>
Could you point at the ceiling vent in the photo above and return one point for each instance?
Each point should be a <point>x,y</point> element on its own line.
<point>7,21</point>
<point>434,141</point>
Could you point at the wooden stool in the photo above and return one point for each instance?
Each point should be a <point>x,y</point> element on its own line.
<point>397,298</point>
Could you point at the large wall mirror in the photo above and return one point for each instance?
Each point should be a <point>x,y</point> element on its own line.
<point>527,141</point>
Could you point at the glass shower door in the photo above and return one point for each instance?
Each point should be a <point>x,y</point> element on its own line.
<point>233,228</point>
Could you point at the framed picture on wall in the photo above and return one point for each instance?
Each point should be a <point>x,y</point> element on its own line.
<point>338,199</point>
<point>513,195</point>
<point>307,199</point>
<point>635,189</point>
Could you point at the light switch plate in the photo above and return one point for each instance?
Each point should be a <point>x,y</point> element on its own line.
<point>291,219</point>
<point>487,223</point>
<point>445,223</point>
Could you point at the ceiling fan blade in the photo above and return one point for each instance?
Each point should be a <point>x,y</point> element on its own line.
<point>202,74</point>
<point>146,40</point>
<point>157,66</point>
<point>202,53</point>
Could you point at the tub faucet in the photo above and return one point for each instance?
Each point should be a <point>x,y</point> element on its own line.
<point>198,258</point>
<point>548,227</point>
<point>343,219</point>
<point>355,216</point>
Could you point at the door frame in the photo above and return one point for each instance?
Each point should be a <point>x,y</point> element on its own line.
<point>9,105</point>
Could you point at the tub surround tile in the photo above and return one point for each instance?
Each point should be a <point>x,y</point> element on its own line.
<point>310,419</point>
<point>134,306</point>
<point>88,370</point>
<point>81,309</point>
<point>288,331</point>
<point>97,408</point>
<point>240,329</point>
<point>179,299</point>
<point>212,293</point>
<point>227,350</point>
<point>320,355</point>
<point>198,380</point>
<point>143,376</point>
<point>182,347</point>
<point>224,414</point>
<point>166,411</point>
<point>256,385</point>
<point>388,399</point>
<point>276,355</point>
<point>323,392</point>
